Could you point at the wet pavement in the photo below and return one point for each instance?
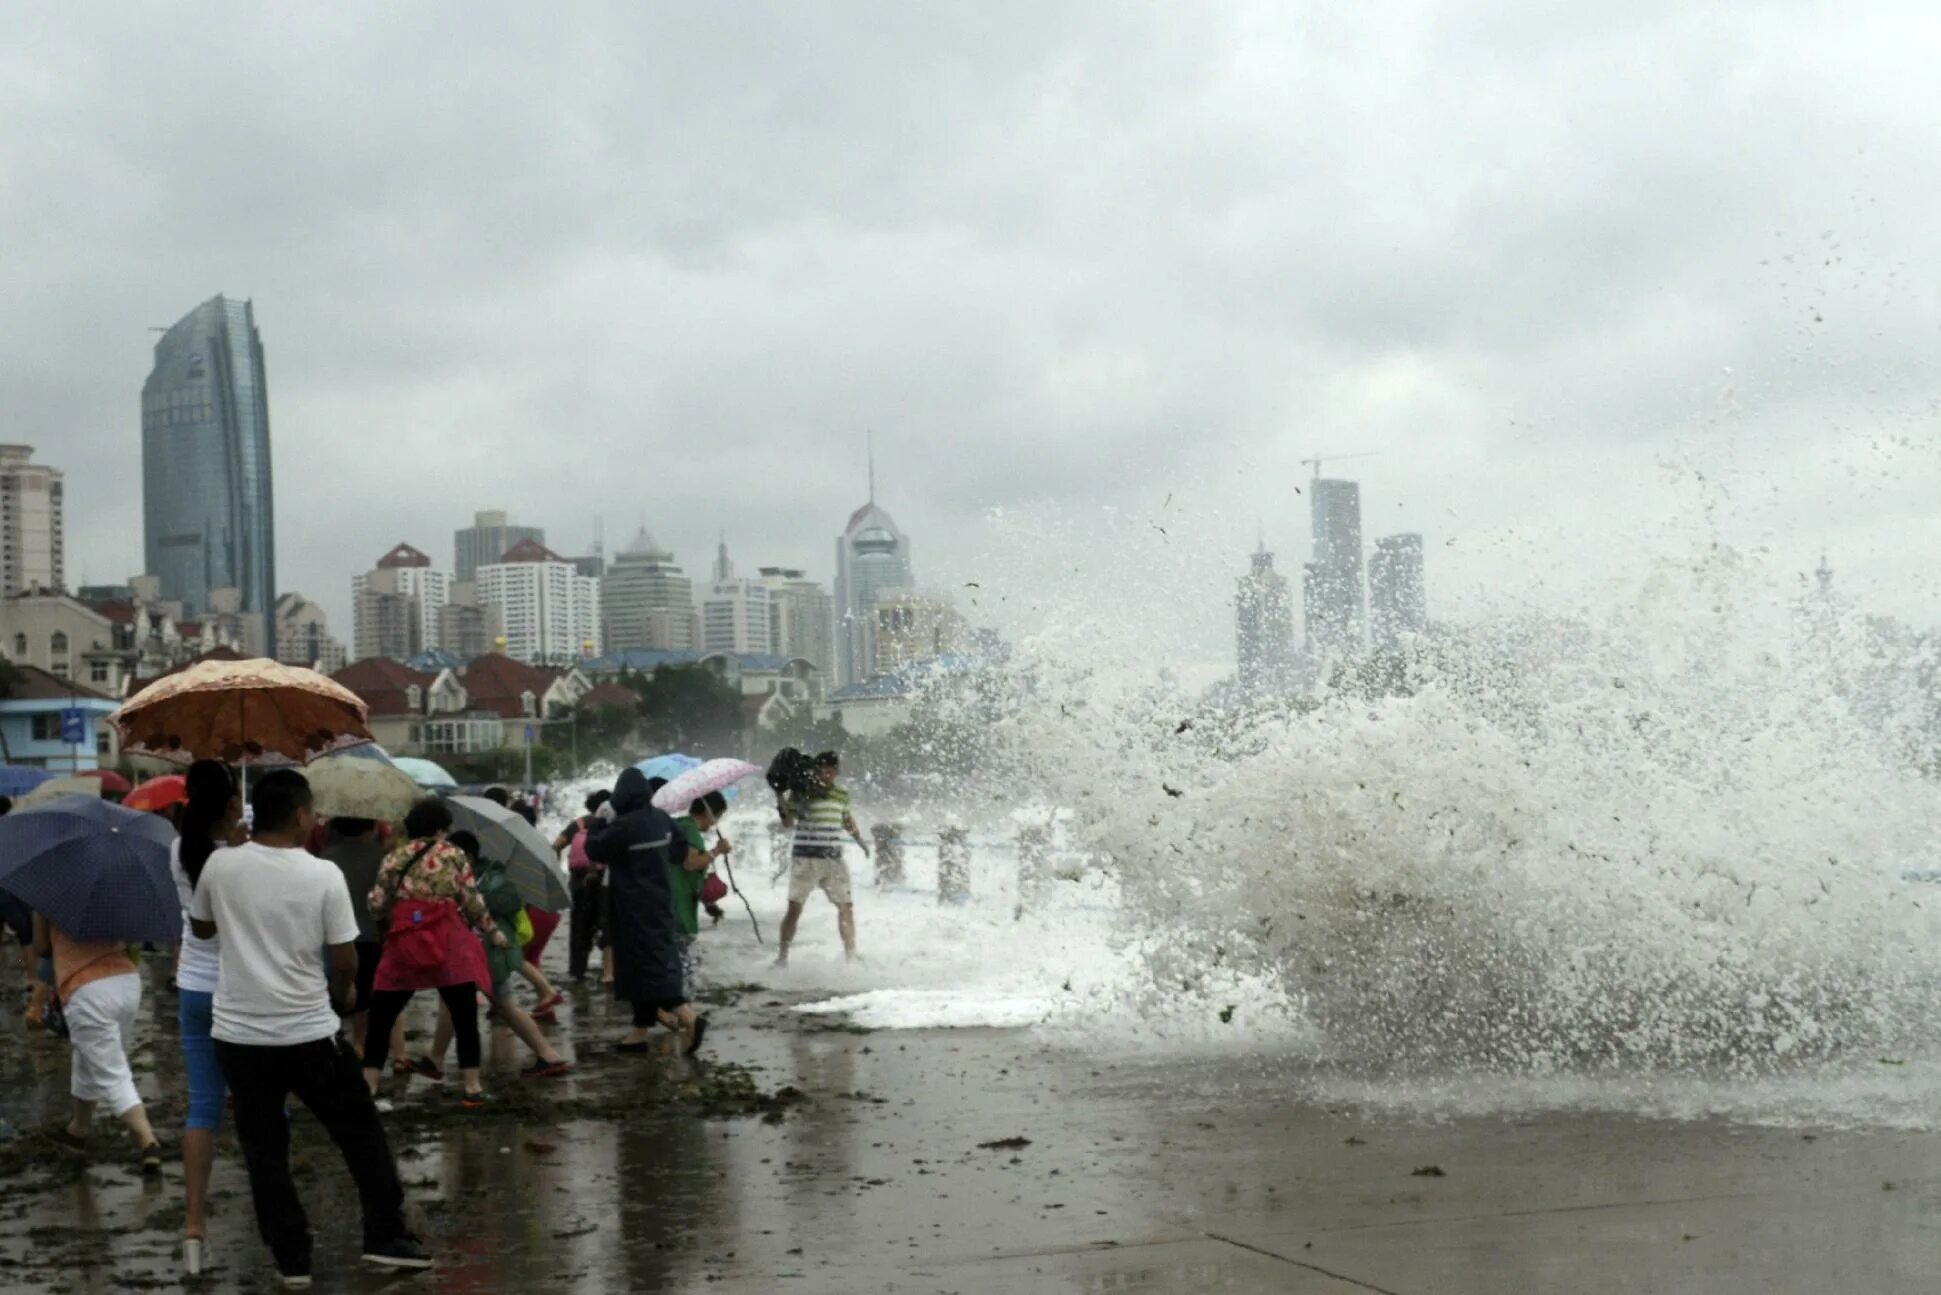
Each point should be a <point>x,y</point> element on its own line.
<point>988,1161</point>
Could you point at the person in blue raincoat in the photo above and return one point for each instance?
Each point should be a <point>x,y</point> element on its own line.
<point>638,846</point>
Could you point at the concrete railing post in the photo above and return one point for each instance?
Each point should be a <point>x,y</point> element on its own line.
<point>953,865</point>
<point>889,853</point>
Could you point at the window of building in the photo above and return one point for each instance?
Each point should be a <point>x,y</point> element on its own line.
<point>414,698</point>
<point>47,726</point>
<point>59,670</point>
<point>97,672</point>
<point>528,703</point>
<point>20,645</point>
<point>58,643</point>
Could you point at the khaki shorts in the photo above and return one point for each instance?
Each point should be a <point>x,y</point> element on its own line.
<point>830,876</point>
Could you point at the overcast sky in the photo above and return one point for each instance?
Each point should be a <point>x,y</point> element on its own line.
<point>1582,276</point>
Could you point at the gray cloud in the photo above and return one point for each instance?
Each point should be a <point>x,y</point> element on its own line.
<point>667,264</point>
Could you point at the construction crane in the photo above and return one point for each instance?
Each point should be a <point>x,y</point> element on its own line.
<point>1319,459</point>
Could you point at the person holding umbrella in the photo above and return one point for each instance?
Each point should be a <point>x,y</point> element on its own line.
<point>100,993</point>
<point>212,818</point>
<point>424,898</point>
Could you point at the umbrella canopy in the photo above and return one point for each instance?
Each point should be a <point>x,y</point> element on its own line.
<point>668,767</point>
<point>529,857</point>
<point>58,789</point>
<point>237,711</point>
<point>346,787</point>
<point>97,870</point>
<point>158,793</point>
<point>18,781</point>
<point>424,772</point>
<point>112,783</point>
<point>715,775</point>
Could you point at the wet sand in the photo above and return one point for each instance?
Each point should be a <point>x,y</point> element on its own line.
<point>1132,1175</point>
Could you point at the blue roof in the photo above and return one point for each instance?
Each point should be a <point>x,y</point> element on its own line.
<point>646,659</point>
<point>436,662</point>
<point>882,686</point>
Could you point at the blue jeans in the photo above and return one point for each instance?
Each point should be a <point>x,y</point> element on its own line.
<point>206,1089</point>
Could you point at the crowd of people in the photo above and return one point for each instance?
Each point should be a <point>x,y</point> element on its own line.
<point>304,941</point>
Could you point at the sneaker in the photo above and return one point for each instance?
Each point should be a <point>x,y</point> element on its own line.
<point>544,1012</point>
<point>476,1101</point>
<point>546,1070</point>
<point>295,1281</point>
<point>384,1105</point>
<point>404,1252</point>
<point>426,1068</point>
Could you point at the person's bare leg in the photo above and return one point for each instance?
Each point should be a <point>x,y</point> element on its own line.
<point>83,1116</point>
<point>474,1080</point>
<point>606,964</point>
<point>397,1040</point>
<point>846,923</point>
<point>135,1119</point>
<point>359,1024</point>
<point>790,920</point>
<point>198,1166</point>
<point>536,977</point>
<point>527,1030</point>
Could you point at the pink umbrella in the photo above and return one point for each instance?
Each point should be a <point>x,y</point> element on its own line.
<point>715,775</point>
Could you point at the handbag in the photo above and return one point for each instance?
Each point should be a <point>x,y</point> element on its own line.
<point>418,943</point>
<point>713,890</point>
<point>522,928</point>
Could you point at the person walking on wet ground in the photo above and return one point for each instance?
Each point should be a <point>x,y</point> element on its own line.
<point>588,883</point>
<point>820,818</point>
<point>502,898</point>
<point>212,819</point>
<point>100,993</point>
<point>687,878</point>
<point>353,847</point>
<point>638,847</point>
<point>424,898</point>
<point>275,905</point>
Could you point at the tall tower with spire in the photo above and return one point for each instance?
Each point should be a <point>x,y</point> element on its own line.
<point>735,614</point>
<point>1263,614</point>
<point>872,559</point>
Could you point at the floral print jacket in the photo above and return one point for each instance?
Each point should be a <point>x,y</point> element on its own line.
<point>430,871</point>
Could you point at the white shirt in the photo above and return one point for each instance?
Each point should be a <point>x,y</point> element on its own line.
<point>275,910</point>
<point>201,960</point>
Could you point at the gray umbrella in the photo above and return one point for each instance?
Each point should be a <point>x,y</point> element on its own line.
<point>528,855</point>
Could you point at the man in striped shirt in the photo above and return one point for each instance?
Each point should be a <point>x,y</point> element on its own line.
<point>820,818</point>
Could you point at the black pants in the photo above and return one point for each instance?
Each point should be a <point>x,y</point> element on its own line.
<point>324,1077</point>
<point>387,1005</point>
<point>589,920</point>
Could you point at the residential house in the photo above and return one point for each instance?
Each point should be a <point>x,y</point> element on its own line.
<point>31,723</point>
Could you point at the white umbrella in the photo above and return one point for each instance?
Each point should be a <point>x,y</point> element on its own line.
<point>715,775</point>
<point>425,773</point>
<point>59,787</point>
<point>529,858</point>
<point>348,787</point>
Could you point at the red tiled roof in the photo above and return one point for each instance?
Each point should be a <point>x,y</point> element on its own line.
<point>495,683</point>
<point>191,630</point>
<point>31,683</point>
<point>402,556</point>
<point>610,696</point>
<point>214,654</point>
<point>530,551</point>
<point>119,613</point>
<point>381,684</point>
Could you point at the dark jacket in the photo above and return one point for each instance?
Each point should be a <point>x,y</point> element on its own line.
<point>638,847</point>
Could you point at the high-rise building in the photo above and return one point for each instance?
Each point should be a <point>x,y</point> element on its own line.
<point>488,539</point>
<point>35,559</point>
<point>551,611</point>
<point>303,636</point>
<point>910,628</point>
<point>208,512</point>
<point>1397,601</point>
<point>801,618</point>
<point>1332,594</point>
<point>872,557</point>
<point>735,613</point>
<point>395,606</point>
<point>648,602</point>
<point>1263,612</point>
<point>465,628</point>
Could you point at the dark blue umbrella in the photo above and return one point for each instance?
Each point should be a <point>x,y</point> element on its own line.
<point>18,781</point>
<point>92,868</point>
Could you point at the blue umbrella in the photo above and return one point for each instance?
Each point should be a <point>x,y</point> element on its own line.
<point>668,767</point>
<point>92,868</point>
<point>18,781</point>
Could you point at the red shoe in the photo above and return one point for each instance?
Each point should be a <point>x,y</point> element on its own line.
<point>546,1070</point>
<point>544,1012</point>
<point>429,1069</point>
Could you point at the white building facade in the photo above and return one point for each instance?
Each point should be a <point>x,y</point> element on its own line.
<point>550,612</point>
<point>31,525</point>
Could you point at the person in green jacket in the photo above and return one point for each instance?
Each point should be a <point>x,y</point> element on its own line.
<point>503,899</point>
<point>685,878</point>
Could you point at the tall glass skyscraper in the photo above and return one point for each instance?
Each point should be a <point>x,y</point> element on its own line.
<point>209,521</point>
<point>1333,592</point>
<point>872,558</point>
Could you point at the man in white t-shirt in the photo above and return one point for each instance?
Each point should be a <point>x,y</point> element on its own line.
<point>278,908</point>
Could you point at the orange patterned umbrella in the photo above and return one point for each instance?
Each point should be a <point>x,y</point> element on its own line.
<point>240,711</point>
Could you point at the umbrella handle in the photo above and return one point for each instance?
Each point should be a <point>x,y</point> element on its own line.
<point>744,899</point>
